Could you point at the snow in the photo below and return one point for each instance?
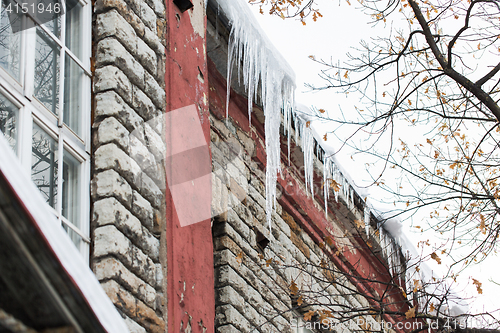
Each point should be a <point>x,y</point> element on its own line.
<point>59,241</point>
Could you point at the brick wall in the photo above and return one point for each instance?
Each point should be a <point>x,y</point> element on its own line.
<point>253,292</point>
<point>127,188</point>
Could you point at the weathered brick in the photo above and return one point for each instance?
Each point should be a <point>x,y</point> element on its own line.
<point>154,90</point>
<point>111,51</point>
<point>227,314</point>
<point>110,130</point>
<point>143,103</point>
<point>111,23</point>
<point>109,183</point>
<point>134,308</point>
<point>109,156</point>
<point>112,78</point>
<point>110,211</point>
<point>111,268</point>
<point>110,241</point>
<point>143,209</point>
<point>142,156</point>
<point>109,103</point>
<point>147,15</point>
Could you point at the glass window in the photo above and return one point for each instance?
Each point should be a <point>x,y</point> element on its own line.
<point>71,188</point>
<point>44,164</point>
<point>74,78</point>
<point>10,39</point>
<point>50,56</point>
<point>74,28</point>
<point>71,202</point>
<point>51,15</point>
<point>9,114</point>
<point>47,71</point>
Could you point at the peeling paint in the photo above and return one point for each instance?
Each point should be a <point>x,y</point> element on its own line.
<point>197,16</point>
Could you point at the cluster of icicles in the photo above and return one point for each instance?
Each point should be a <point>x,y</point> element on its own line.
<point>267,77</point>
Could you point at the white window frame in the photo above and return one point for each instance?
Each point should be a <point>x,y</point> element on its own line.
<point>21,94</point>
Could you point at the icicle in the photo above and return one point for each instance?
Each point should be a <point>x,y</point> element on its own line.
<point>367,218</point>
<point>307,145</point>
<point>326,183</point>
<point>256,61</point>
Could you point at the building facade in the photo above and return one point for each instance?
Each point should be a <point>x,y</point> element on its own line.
<point>121,118</point>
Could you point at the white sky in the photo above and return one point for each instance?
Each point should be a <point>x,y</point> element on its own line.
<point>331,37</point>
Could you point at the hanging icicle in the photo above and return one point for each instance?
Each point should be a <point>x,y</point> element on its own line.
<point>266,75</point>
<point>367,212</point>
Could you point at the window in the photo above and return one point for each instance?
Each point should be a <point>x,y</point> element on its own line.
<point>45,105</point>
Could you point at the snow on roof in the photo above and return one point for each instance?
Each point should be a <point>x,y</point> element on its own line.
<point>59,241</point>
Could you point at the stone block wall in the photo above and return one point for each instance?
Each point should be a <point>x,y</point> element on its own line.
<point>253,277</point>
<point>127,188</point>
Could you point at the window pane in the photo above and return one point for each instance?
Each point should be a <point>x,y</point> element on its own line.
<point>74,28</point>
<point>44,164</point>
<point>47,71</point>
<point>73,235</point>
<point>73,87</point>
<point>10,42</point>
<point>71,189</point>
<point>8,120</point>
<point>49,17</point>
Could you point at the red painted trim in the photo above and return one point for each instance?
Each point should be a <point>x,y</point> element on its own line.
<point>190,271</point>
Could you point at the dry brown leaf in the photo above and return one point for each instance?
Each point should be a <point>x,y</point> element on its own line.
<point>308,316</point>
<point>435,257</point>
<point>239,258</point>
<point>410,313</point>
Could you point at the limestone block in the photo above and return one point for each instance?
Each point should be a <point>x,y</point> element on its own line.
<point>235,173</point>
<point>133,308</point>
<point>110,156</point>
<point>258,213</point>
<point>147,15</point>
<point>236,221</point>
<point>238,191</point>
<point>110,103</point>
<point>159,276</point>
<point>142,208</point>
<point>227,329</point>
<point>110,241</point>
<point>111,23</point>
<point>110,268</point>
<point>221,128</point>
<point>143,103</point>
<point>151,190</point>
<point>259,198</point>
<point>109,183</point>
<point>112,78</point>
<point>158,7</point>
<point>124,10</point>
<point>154,141</point>
<point>154,42</point>
<point>154,90</point>
<point>247,142</point>
<point>110,130</point>
<point>227,314</point>
<point>228,295</point>
<point>142,156</point>
<point>111,51</point>
<point>110,211</point>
